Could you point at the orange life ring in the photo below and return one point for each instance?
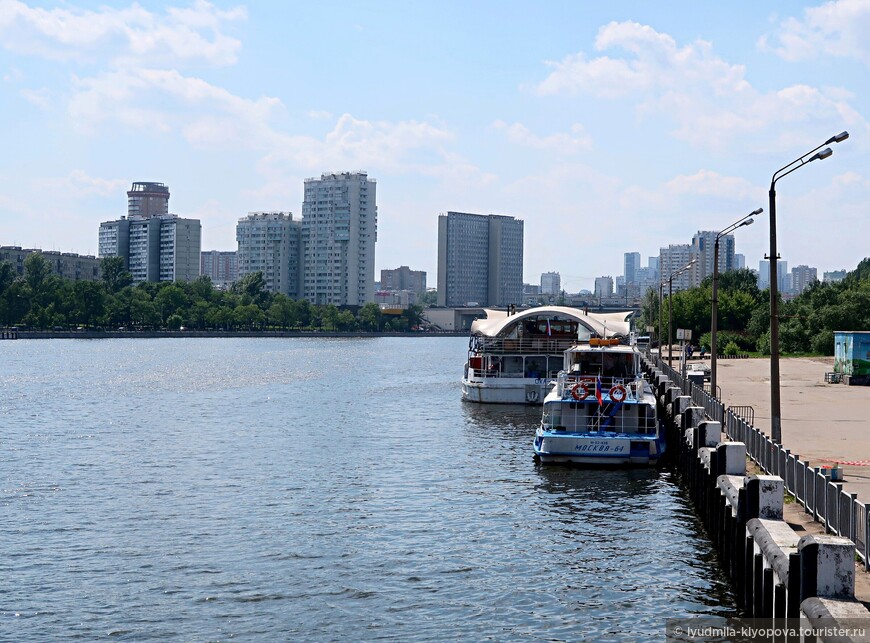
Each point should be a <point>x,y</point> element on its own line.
<point>580,391</point>
<point>618,393</point>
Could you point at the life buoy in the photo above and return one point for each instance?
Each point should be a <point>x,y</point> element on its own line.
<point>617,393</point>
<point>580,391</point>
<point>532,395</point>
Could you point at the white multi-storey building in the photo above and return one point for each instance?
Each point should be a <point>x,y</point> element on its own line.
<point>551,283</point>
<point>802,277</point>
<point>270,243</point>
<point>703,246</point>
<point>155,245</point>
<point>672,259</point>
<point>339,232</point>
<point>603,287</point>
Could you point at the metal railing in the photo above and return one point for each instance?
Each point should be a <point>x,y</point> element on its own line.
<point>535,345</point>
<point>840,512</point>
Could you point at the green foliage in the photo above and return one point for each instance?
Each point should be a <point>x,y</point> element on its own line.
<point>731,348</point>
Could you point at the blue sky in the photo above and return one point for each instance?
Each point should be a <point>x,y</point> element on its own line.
<point>607,129</point>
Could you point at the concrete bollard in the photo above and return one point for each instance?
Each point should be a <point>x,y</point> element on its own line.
<point>692,416</point>
<point>680,405</point>
<point>764,497</point>
<point>709,433</point>
<point>827,567</point>
<point>776,584</point>
<point>731,459</point>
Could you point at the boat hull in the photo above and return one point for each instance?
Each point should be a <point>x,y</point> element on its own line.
<point>597,448</point>
<point>515,390</point>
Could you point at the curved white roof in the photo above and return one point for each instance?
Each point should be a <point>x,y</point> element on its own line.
<point>604,324</point>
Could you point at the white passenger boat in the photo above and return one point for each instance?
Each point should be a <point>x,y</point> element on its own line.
<point>513,357</point>
<point>601,409</point>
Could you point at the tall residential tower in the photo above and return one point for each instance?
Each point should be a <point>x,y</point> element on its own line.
<point>339,231</point>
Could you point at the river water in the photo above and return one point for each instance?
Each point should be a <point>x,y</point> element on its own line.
<point>315,490</point>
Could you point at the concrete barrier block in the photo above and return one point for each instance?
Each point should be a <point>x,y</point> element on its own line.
<point>730,487</point>
<point>731,458</point>
<point>705,455</point>
<point>689,438</point>
<point>827,567</point>
<point>692,416</point>
<point>764,496</point>
<point>681,404</point>
<point>709,433</point>
<point>824,612</point>
<point>672,394</point>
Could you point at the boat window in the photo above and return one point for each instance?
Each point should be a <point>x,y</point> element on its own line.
<point>536,366</point>
<point>552,415</point>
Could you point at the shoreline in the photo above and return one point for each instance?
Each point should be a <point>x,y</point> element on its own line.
<point>155,334</point>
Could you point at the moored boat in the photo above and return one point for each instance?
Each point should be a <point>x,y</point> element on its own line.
<point>512,358</point>
<point>601,410</point>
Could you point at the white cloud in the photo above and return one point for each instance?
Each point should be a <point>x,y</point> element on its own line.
<point>41,98</point>
<point>836,28</point>
<point>708,183</point>
<point>709,99</point>
<point>121,35</point>
<point>577,141</point>
<point>166,100</point>
<point>79,184</point>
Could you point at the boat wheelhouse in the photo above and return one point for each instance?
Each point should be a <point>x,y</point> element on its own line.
<point>512,358</point>
<point>601,409</point>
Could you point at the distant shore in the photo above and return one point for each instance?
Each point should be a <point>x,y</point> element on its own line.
<point>152,334</point>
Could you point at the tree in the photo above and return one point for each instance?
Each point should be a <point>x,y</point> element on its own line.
<point>370,317</point>
<point>114,275</point>
<point>88,302</point>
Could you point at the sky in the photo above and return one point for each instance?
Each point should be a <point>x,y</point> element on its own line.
<point>606,127</point>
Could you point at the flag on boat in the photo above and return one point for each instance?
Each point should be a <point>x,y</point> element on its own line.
<point>598,391</point>
<point>549,330</point>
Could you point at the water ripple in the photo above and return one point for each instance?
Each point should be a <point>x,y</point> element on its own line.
<point>317,490</point>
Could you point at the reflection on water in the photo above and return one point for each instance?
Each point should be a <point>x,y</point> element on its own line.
<point>316,490</point>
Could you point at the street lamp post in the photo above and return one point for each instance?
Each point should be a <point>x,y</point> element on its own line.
<point>775,407</point>
<point>670,308</point>
<point>747,220</point>
<point>661,334</point>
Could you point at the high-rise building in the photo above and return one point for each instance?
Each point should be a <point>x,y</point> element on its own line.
<point>147,199</point>
<point>603,287</point>
<point>339,232</point>
<point>703,246</point>
<point>834,275</point>
<point>155,245</point>
<point>551,283</point>
<point>672,259</point>
<point>801,278</point>
<point>480,260</point>
<point>403,278</point>
<point>739,261</point>
<point>632,265</point>
<point>270,243</point>
<point>781,275</point>
<point>221,266</point>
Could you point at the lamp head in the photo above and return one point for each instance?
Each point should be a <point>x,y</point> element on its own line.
<point>758,211</point>
<point>747,222</point>
<point>821,155</point>
<point>839,138</point>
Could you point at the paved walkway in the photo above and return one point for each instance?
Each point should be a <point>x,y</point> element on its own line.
<point>823,423</point>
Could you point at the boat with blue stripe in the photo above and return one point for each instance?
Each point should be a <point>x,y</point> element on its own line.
<point>601,409</point>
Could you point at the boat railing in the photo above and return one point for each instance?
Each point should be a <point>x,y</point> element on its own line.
<point>585,386</point>
<point>477,373</point>
<point>540,345</point>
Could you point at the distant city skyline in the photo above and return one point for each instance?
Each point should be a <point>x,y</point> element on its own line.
<point>605,127</point>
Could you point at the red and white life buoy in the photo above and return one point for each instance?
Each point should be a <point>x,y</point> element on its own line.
<point>581,391</point>
<point>618,393</point>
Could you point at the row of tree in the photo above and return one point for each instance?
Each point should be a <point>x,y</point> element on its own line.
<point>40,299</point>
<point>806,323</point>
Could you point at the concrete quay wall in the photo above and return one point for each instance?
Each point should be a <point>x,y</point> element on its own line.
<point>776,572</point>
